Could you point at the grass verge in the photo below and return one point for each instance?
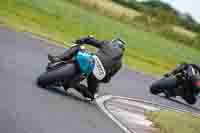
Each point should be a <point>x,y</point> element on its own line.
<point>173,122</point>
<point>142,20</point>
<point>63,21</point>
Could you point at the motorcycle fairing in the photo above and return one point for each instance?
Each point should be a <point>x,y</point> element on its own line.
<point>90,63</point>
<point>86,62</point>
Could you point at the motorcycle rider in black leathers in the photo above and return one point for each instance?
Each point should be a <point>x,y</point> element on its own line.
<point>109,52</point>
<point>189,90</point>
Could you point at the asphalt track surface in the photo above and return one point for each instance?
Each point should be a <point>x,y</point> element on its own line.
<point>25,108</point>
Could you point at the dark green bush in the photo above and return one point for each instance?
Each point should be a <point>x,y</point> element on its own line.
<point>168,33</point>
<point>162,11</point>
<point>197,42</point>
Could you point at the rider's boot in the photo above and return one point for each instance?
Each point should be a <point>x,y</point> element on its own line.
<point>190,99</point>
<point>66,86</point>
<point>85,92</point>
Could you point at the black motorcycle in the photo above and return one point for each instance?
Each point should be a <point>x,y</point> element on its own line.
<point>62,72</point>
<point>185,83</point>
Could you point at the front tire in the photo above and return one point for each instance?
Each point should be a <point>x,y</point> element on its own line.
<point>59,75</point>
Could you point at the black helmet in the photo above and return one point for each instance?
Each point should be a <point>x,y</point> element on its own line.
<point>119,42</point>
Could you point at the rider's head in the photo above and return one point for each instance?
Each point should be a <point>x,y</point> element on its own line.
<point>120,43</point>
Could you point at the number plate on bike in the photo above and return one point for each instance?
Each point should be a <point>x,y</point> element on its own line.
<point>98,71</point>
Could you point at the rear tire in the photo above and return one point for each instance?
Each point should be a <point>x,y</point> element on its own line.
<point>154,90</point>
<point>164,84</point>
<point>59,75</point>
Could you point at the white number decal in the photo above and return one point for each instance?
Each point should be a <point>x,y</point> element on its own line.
<point>98,71</point>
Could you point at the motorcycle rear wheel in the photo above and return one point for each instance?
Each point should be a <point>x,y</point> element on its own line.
<point>163,85</point>
<point>61,74</point>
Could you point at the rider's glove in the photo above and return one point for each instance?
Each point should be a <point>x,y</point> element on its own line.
<point>80,41</point>
<point>167,75</point>
<point>83,40</point>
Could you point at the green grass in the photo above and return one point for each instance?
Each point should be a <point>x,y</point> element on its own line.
<point>63,21</point>
<point>173,122</point>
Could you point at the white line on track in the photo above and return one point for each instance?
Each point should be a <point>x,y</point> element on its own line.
<point>100,101</point>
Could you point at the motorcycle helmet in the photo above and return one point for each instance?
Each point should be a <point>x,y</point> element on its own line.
<point>119,43</point>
